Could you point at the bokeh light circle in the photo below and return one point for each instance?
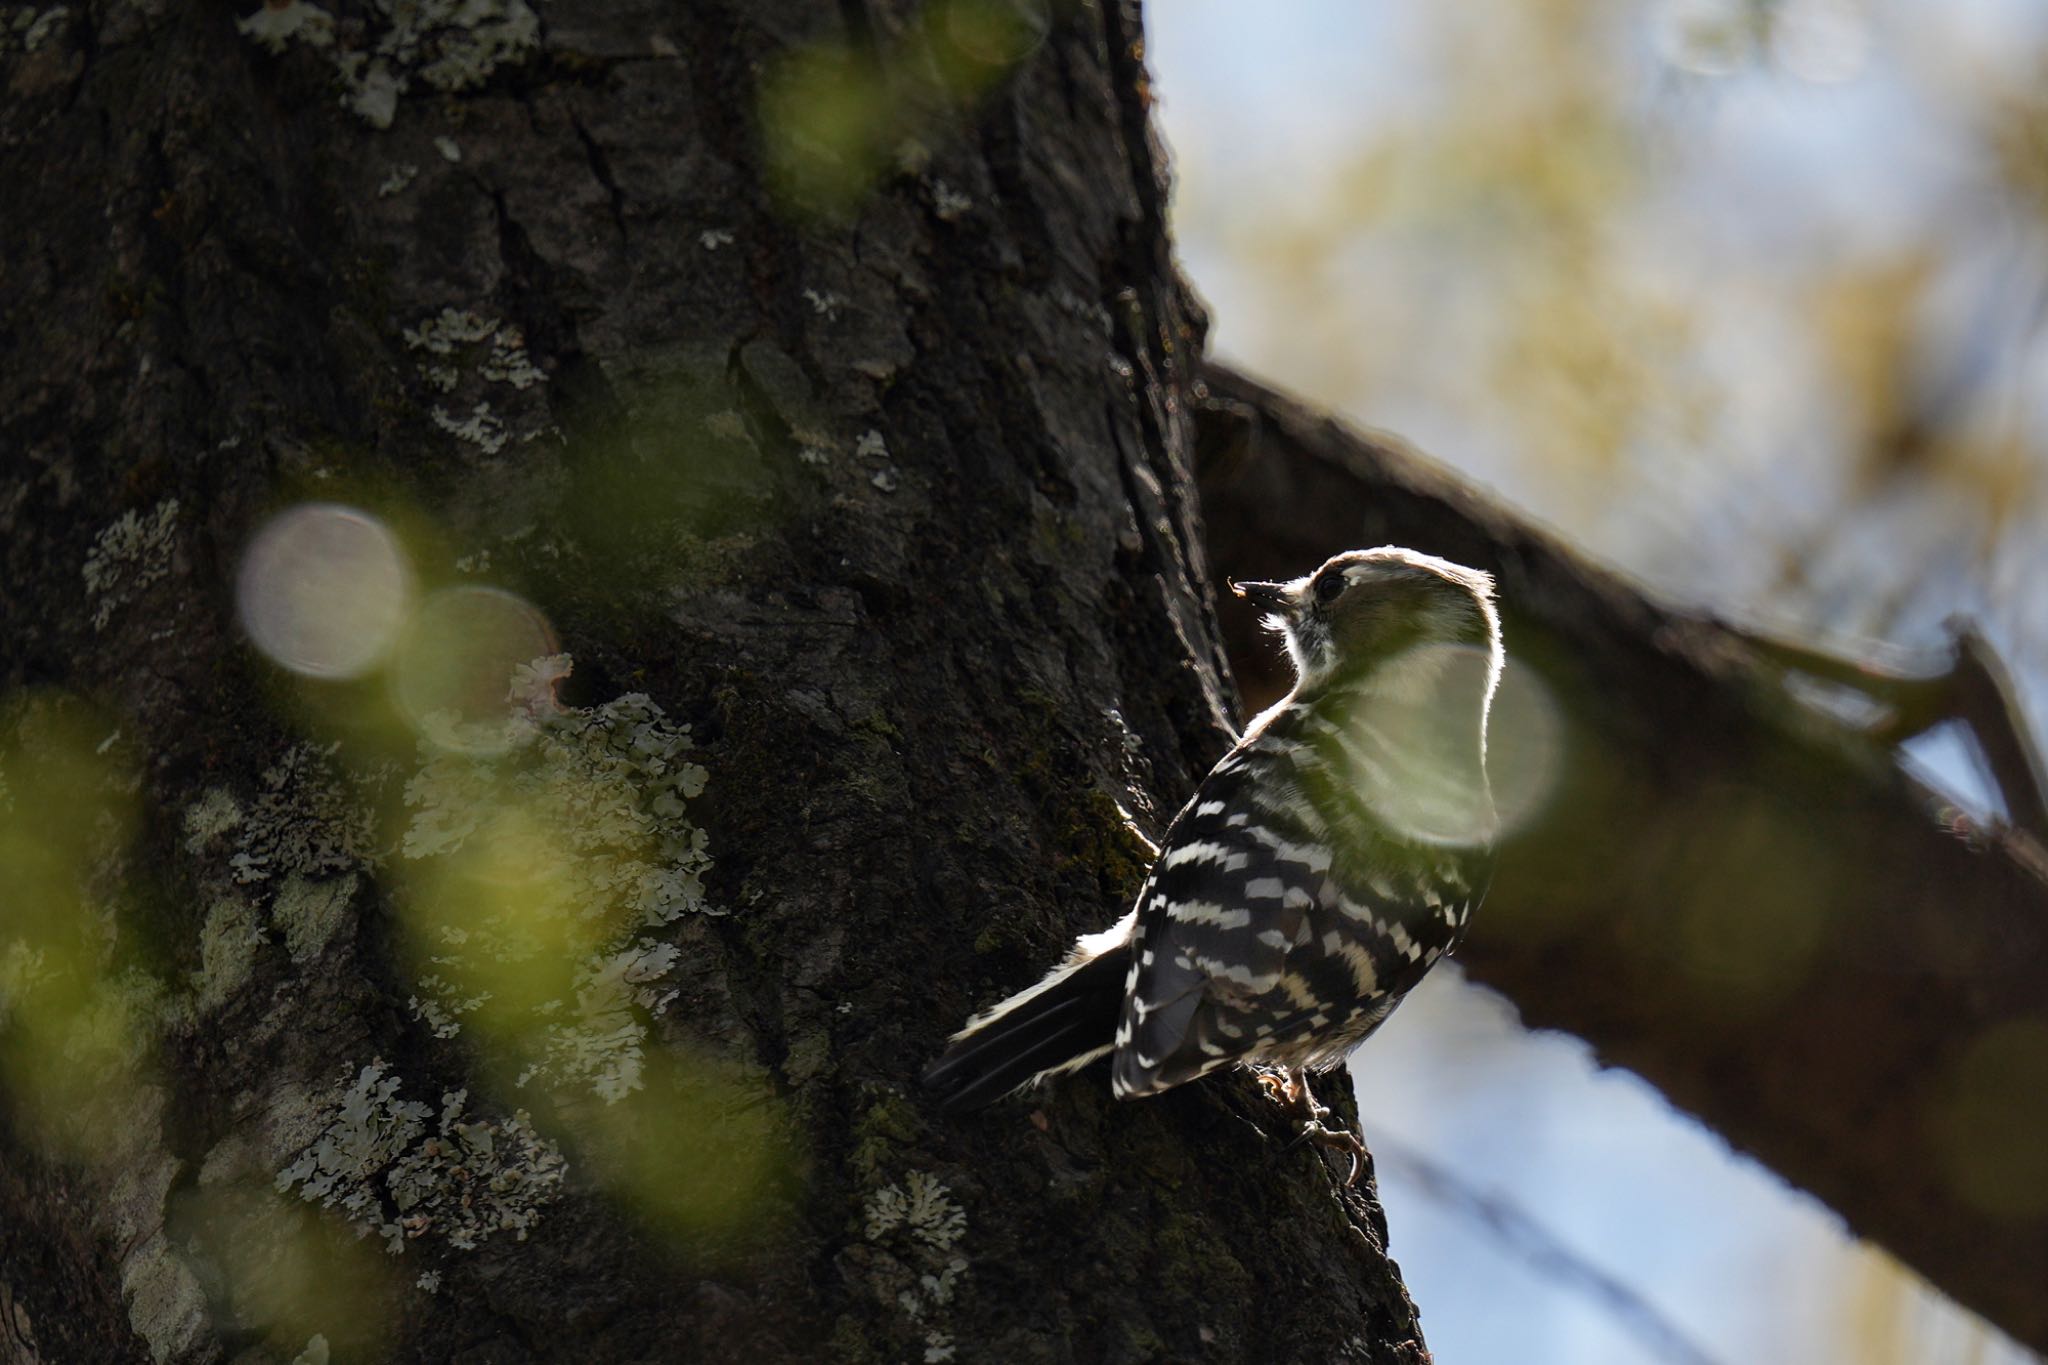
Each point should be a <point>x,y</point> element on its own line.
<point>1524,747</point>
<point>1988,1129</point>
<point>1407,750</point>
<point>454,663</point>
<point>323,590</point>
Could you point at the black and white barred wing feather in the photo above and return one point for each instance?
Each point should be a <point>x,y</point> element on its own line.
<point>1255,938</point>
<point>1260,938</point>
<point>1225,907</point>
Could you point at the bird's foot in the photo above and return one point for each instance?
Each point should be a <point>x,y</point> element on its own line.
<point>1288,1088</point>
<point>1344,1140</point>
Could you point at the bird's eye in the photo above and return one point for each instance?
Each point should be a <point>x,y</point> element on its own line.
<point>1330,586</point>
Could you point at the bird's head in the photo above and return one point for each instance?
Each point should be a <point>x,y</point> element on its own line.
<point>1366,610</point>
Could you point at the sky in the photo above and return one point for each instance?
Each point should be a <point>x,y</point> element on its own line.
<point>1329,155</point>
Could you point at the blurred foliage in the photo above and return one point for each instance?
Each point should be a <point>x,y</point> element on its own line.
<point>836,117</point>
<point>702,1155</point>
<point>541,869</point>
<point>695,465</point>
<point>75,1026</point>
<point>1745,294</point>
<point>274,1269</point>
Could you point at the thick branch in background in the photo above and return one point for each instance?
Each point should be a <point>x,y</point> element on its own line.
<point>1724,887</point>
<point>814,376</point>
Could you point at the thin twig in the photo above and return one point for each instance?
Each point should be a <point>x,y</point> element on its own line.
<point>1974,688</point>
<point>1541,1250</point>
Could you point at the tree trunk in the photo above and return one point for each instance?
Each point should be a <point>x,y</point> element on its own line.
<point>817,371</point>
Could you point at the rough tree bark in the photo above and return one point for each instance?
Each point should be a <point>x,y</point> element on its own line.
<point>1738,896</point>
<point>888,499</point>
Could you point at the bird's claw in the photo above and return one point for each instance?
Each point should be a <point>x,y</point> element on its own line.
<point>1289,1090</point>
<point>1342,1139</point>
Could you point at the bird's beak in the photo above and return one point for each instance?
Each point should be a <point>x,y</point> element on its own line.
<point>1273,597</point>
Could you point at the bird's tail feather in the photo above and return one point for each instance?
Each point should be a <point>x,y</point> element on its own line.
<point>1063,1023</point>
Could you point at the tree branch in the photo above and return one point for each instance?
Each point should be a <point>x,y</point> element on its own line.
<point>1731,891</point>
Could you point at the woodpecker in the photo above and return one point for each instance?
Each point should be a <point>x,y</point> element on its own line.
<point>1323,866</point>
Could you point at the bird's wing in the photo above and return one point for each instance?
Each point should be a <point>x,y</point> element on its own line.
<point>1251,931</point>
<point>1226,903</point>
